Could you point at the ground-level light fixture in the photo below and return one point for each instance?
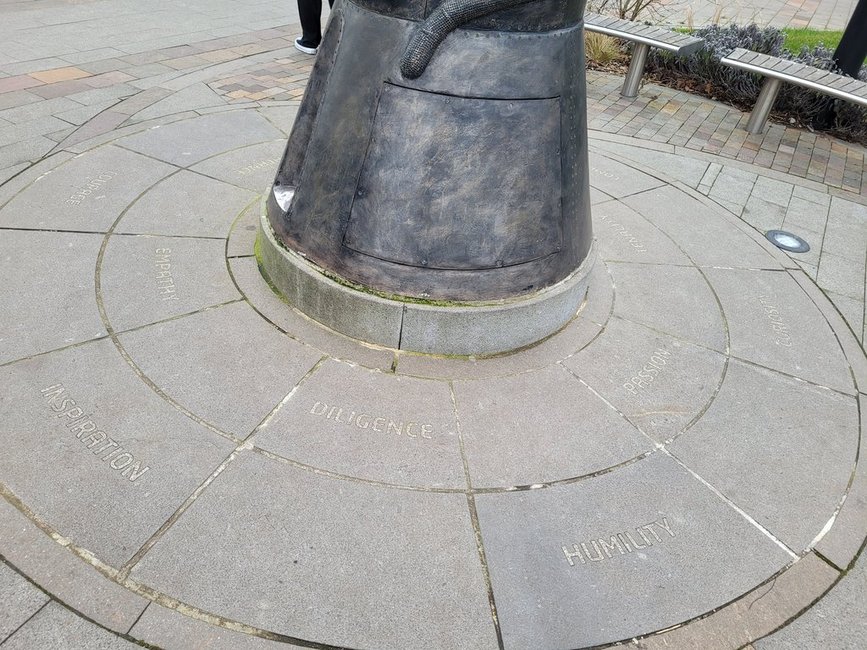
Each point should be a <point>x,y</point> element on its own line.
<point>787,241</point>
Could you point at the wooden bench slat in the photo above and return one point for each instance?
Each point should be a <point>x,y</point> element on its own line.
<point>652,35</point>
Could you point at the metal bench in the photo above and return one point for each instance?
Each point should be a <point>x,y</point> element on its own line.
<point>644,37</point>
<point>778,70</point>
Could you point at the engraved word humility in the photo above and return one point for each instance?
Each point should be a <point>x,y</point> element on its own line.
<point>106,448</point>
<point>604,548</point>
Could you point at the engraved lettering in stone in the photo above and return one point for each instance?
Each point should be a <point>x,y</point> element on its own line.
<point>377,423</point>
<point>165,281</point>
<point>610,546</point>
<point>778,326</point>
<point>644,377</point>
<point>621,230</point>
<point>249,169</point>
<point>90,435</point>
<point>613,177</point>
<point>90,187</point>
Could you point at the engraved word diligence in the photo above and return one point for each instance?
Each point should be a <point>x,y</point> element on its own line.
<point>103,446</point>
<point>604,548</point>
<point>367,421</point>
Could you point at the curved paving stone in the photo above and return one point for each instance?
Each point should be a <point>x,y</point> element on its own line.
<point>188,205</point>
<point>646,547</point>
<point>772,322</point>
<point>242,237</point>
<point>96,452</point>
<point>676,300</point>
<point>701,231</point>
<point>57,627</point>
<point>226,364</point>
<point>187,142</point>
<point>370,425</point>
<point>145,279</point>
<point>327,560</point>
<point>538,427</point>
<point>253,168</point>
<point>87,193</point>
<point>618,179</point>
<point>781,449</point>
<point>49,300</point>
<point>245,272</point>
<point>660,383</point>
<point>624,235</point>
<point>19,600</point>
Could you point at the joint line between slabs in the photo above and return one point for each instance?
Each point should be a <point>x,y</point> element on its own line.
<point>767,533</point>
<point>33,615</point>
<point>124,572</point>
<point>474,519</point>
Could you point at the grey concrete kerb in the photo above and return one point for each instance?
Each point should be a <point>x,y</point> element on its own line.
<point>462,329</point>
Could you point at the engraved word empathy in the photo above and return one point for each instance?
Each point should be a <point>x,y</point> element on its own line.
<point>106,448</point>
<point>605,548</point>
<point>781,330</point>
<point>89,187</point>
<point>647,374</point>
<point>623,232</point>
<point>165,281</point>
<point>378,424</point>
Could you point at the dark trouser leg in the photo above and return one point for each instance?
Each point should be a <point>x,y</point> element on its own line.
<point>310,12</point>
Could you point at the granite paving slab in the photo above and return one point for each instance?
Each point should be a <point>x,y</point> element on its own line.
<point>242,238</point>
<point>19,600</point>
<point>839,620</point>
<point>57,627</point>
<point>593,562</point>
<point>253,168</point>
<point>144,279</point>
<point>339,562</point>
<point>274,309</point>
<point>700,231</point>
<point>772,322</point>
<point>624,235</point>
<point>202,137</point>
<point>371,425</point>
<point>186,204</point>
<point>618,179</point>
<point>79,422</point>
<point>49,300</point>
<point>226,364</point>
<point>761,442</point>
<point>658,382</point>
<point>690,312</point>
<point>86,193</point>
<point>539,427</point>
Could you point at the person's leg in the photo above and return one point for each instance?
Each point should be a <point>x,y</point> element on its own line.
<point>310,12</point>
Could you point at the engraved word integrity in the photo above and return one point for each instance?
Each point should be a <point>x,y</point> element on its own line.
<point>103,446</point>
<point>604,548</point>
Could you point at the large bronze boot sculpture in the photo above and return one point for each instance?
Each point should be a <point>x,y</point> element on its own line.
<point>434,192</point>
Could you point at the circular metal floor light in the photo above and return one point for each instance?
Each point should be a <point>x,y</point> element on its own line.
<point>787,241</point>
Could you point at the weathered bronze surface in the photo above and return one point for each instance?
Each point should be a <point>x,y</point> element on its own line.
<point>468,182</point>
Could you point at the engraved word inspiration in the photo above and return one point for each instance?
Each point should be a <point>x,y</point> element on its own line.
<point>604,548</point>
<point>103,446</point>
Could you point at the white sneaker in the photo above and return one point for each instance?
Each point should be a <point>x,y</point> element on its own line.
<point>304,48</point>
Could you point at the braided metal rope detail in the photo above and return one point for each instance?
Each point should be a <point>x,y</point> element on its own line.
<point>444,20</point>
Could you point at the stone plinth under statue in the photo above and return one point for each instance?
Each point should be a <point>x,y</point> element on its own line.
<point>434,195</point>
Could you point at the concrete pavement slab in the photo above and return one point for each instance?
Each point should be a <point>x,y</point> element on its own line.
<point>378,557</point>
